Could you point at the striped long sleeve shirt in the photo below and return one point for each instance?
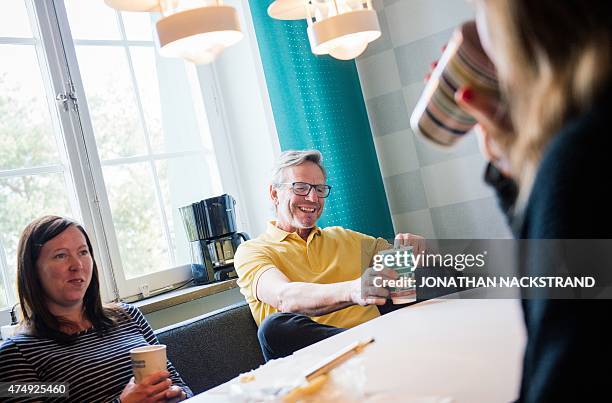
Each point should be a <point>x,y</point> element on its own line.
<point>96,367</point>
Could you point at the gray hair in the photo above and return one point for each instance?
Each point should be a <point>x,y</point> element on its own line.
<point>292,158</point>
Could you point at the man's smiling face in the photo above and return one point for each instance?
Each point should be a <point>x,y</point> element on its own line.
<point>299,212</point>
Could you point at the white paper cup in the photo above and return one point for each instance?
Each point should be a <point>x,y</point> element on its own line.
<point>147,360</point>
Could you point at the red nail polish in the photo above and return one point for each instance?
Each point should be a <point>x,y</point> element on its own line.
<point>466,94</point>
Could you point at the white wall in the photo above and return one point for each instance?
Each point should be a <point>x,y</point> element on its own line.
<point>433,192</point>
<point>247,128</point>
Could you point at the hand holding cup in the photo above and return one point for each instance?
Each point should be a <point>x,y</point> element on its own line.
<point>366,291</point>
<point>150,389</point>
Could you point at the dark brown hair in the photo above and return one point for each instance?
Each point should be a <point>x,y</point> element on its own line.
<point>35,313</point>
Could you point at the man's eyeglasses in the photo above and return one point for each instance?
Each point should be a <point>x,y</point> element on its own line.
<point>303,189</point>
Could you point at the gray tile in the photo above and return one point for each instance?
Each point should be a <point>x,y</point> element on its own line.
<point>414,59</point>
<point>378,5</point>
<point>455,181</point>
<point>396,153</point>
<point>476,219</point>
<point>382,43</point>
<point>416,222</point>
<point>405,192</point>
<point>389,2</point>
<point>411,20</point>
<point>412,93</point>
<point>388,113</point>
<point>378,74</point>
<point>430,153</point>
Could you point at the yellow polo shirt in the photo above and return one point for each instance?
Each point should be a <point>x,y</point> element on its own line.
<point>329,255</point>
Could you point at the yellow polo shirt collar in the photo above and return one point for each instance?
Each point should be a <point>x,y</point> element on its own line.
<point>278,235</point>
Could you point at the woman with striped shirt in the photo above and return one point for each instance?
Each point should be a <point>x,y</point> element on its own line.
<point>68,335</point>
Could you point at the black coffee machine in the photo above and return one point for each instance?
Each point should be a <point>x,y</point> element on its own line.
<point>211,228</point>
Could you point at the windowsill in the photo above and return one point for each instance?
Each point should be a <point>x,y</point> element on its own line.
<point>177,297</point>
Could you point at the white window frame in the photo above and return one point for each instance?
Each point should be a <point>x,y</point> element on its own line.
<point>77,149</point>
<point>99,204</point>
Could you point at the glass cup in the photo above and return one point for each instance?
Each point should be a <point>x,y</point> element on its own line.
<point>401,259</point>
<point>464,62</point>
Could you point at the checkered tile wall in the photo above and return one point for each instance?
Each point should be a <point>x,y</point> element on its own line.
<point>433,192</point>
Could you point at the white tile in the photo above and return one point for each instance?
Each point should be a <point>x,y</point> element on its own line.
<point>455,181</point>
<point>475,219</point>
<point>378,74</point>
<point>378,5</point>
<point>416,222</point>
<point>396,153</point>
<point>410,20</point>
<point>430,153</point>
<point>412,93</point>
<point>414,59</point>
<point>387,113</point>
<point>405,192</point>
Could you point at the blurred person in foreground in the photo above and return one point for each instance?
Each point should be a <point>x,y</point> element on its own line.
<point>549,159</point>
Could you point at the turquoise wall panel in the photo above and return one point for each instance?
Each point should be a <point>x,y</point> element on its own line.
<point>317,103</point>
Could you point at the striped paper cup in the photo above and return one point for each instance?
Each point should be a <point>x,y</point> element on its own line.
<point>437,116</point>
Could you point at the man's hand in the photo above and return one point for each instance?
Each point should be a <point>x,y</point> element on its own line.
<point>416,241</point>
<point>364,290</point>
<point>153,388</point>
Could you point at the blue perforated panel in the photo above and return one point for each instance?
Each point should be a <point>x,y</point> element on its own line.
<point>317,103</point>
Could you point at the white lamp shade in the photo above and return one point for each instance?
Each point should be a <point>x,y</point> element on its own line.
<point>343,31</point>
<point>134,5</point>
<point>198,34</point>
<point>287,9</point>
<point>349,48</point>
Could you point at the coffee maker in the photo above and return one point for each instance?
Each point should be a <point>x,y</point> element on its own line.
<point>211,228</point>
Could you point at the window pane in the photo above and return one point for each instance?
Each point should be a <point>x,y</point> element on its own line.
<point>3,295</point>
<point>23,199</point>
<point>137,26</point>
<point>92,20</point>
<point>149,119</point>
<point>178,190</point>
<point>14,20</point>
<point>145,70</point>
<point>26,130</point>
<point>137,220</point>
<point>169,108</point>
<point>112,101</point>
<point>34,180</point>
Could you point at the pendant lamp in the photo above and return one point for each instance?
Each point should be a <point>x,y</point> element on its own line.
<point>340,28</point>
<point>195,30</point>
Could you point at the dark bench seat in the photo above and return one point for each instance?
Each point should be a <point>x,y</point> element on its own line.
<point>213,348</point>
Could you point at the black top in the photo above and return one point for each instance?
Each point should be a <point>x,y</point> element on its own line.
<point>569,347</point>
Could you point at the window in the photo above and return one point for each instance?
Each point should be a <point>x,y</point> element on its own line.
<point>122,158</point>
<point>34,178</point>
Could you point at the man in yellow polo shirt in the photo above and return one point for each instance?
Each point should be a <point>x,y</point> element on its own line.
<point>304,283</point>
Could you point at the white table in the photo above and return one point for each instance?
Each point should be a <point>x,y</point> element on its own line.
<point>467,349</point>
